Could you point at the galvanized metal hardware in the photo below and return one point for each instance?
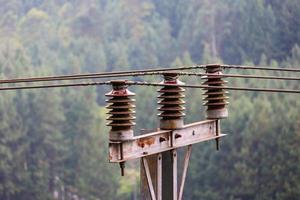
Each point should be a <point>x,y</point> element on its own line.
<point>216,99</point>
<point>171,101</point>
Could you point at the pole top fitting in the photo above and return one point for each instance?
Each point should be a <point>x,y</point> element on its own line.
<point>212,68</point>
<point>119,84</point>
<point>170,75</point>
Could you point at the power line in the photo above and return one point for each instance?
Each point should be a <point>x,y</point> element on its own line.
<point>261,68</point>
<point>54,86</point>
<point>95,75</point>
<point>217,87</point>
<point>126,74</point>
<point>239,76</point>
<point>149,84</point>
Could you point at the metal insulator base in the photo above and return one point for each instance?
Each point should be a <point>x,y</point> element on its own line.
<point>171,124</point>
<point>121,113</point>
<point>216,99</point>
<point>172,103</point>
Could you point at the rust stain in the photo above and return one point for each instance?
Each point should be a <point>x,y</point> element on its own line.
<point>145,141</point>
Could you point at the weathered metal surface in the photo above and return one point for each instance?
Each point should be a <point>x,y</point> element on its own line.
<point>171,102</point>
<point>161,141</point>
<point>140,146</point>
<point>194,133</point>
<point>171,124</point>
<point>155,170</point>
<point>216,99</point>
<point>174,174</point>
<point>149,179</point>
<point>121,112</point>
<point>218,131</point>
<point>159,177</point>
<point>184,171</point>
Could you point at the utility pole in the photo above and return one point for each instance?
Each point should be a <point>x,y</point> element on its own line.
<point>157,150</point>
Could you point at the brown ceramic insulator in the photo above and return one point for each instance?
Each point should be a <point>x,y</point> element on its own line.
<point>121,114</point>
<point>171,102</point>
<point>215,99</point>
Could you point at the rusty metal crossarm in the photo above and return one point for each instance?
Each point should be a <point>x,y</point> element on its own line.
<point>163,140</point>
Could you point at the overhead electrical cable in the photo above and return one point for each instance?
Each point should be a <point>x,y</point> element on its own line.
<point>98,75</point>
<point>141,83</point>
<point>76,77</point>
<point>239,76</point>
<point>261,68</point>
<point>84,84</point>
<point>216,87</point>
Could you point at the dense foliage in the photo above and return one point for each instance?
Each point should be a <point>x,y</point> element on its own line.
<point>53,142</point>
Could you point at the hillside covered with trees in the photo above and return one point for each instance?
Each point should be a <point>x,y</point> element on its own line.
<point>53,142</point>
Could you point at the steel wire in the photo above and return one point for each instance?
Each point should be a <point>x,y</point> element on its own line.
<point>55,86</point>
<point>141,83</point>
<point>261,68</point>
<point>153,72</point>
<point>217,87</point>
<point>95,75</point>
<point>239,76</point>
<point>48,79</point>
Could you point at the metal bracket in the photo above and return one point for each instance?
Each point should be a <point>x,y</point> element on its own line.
<point>184,172</point>
<point>174,165</point>
<point>149,180</point>
<point>161,141</point>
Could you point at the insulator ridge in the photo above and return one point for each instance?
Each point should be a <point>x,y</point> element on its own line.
<point>171,101</point>
<point>215,99</point>
<point>121,111</point>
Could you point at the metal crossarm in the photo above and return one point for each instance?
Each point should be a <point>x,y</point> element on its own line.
<point>162,141</point>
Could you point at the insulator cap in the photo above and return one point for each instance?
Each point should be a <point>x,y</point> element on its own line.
<point>171,102</point>
<point>215,99</point>
<point>121,111</point>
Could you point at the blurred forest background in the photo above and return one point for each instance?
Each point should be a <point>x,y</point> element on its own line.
<point>53,144</point>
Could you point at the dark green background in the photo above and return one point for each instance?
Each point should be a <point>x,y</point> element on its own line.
<point>54,140</point>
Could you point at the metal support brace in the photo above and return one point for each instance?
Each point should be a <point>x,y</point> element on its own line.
<point>153,167</point>
<point>184,172</point>
<point>217,134</point>
<point>149,180</point>
<point>159,177</point>
<point>174,164</point>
